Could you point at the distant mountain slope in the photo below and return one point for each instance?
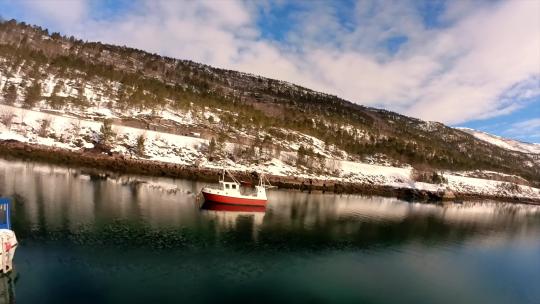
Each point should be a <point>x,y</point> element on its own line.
<point>505,143</point>
<point>51,73</point>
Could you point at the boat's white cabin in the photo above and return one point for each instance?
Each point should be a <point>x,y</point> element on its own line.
<point>233,188</point>
<point>230,187</point>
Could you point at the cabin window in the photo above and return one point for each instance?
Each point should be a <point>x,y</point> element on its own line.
<point>233,186</point>
<point>227,186</point>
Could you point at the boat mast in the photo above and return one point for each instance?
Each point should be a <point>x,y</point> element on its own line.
<point>230,175</point>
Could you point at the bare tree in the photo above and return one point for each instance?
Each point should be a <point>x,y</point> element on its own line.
<point>44,127</point>
<point>6,118</point>
<point>334,166</point>
<point>76,127</point>
<point>22,116</point>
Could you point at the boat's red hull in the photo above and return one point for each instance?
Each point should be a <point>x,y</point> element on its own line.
<point>209,205</point>
<point>222,199</point>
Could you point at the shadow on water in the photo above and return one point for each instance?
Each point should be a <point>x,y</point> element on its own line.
<point>104,239</point>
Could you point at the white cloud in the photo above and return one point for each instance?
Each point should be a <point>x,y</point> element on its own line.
<point>527,125</point>
<point>525,129</point>
<point>481,64</point>
<point>500,47</point>
<point>62,12</point>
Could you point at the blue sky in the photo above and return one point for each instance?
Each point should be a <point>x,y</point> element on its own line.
<point>464,63</point>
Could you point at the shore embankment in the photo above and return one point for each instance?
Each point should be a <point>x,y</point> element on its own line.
<point>119,164</point>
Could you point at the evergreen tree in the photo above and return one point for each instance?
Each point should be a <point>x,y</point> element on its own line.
<point>220,143</point>
<point>140,149</point>
<point>55,101</point>
<point>266,143</point>
<point>300,156</point>
<point>212,147</point>
<point>304,156</point>
<point>107,133</point>
<point>81,100</point>
<point>44,127</point>
<point>33,94</point>
<point>10,94</point>
<point>57,88</point>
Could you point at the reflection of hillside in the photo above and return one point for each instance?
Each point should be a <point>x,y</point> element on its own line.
<point>350,219</point>
<point>317,208</point>
<point>51,203</point>
<point>310,210</point>
<point>488,212</point>
<point>65,199</point>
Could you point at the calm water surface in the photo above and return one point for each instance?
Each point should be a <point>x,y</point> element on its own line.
<point>86,239</point>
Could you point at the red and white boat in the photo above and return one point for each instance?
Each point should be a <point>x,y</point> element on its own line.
<point>233,193</point>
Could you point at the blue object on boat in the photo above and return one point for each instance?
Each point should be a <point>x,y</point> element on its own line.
<point>5,213</point>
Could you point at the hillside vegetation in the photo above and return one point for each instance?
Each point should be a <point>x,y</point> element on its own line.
<point>51,72</point>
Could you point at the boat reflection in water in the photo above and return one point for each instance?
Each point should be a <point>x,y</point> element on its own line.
<point>242,219</point>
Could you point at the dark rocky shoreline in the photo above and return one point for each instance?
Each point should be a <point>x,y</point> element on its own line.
<point>117,164</point>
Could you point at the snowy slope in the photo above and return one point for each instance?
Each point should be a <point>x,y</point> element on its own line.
<point>505,143</point>
<point>74,133</point>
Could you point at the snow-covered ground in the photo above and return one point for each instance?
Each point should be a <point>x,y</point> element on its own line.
<point>69,132</point>
<point>74,134</point>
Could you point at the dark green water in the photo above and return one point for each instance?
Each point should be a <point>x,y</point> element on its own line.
<point>89,240</point>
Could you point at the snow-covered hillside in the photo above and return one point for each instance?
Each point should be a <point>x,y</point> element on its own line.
<point>505,143</point>
<point>94,81</point>
<point>66,131</point>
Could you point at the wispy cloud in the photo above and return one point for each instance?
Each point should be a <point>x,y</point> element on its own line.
<point>482,62</point>
<point>528,128</point>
